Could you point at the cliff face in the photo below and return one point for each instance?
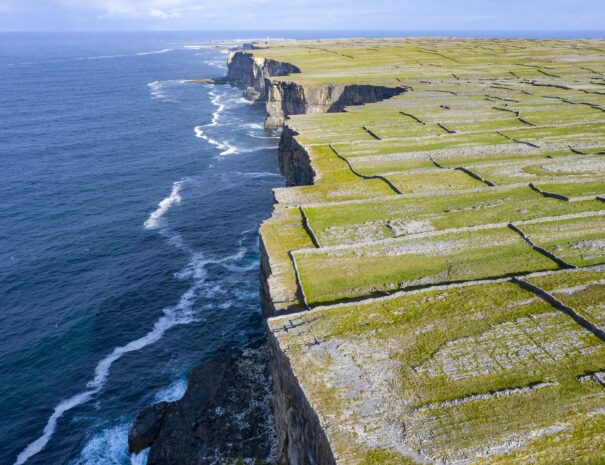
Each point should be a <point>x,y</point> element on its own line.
<point>301,439</point>
<point>285,98</point>
<point>228,397</point>
<point>250,73</point>
<point>294,161</point>
<point>288,98</point>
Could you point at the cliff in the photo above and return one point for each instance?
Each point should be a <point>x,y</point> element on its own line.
<point>250,73</point>
<point>227,397</point>
<point>284,98</point>
<point>301,439</point>
<point>294,161</point>
<point>289,98</point>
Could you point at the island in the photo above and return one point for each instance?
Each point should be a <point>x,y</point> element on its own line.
<point>433,276</point>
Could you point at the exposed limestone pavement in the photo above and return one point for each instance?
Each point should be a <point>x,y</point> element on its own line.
<point>433,277</point>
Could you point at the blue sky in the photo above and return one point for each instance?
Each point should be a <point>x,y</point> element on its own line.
<point>393,15</point>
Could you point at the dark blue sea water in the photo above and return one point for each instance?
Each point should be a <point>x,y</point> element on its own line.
<point>130,202</point>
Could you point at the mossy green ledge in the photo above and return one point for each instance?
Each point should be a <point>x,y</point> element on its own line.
<point>433,276</point>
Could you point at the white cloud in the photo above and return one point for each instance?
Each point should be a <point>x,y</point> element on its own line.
<point>155,13</point>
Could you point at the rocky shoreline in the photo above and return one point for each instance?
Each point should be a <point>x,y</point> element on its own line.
<point>224,416</point>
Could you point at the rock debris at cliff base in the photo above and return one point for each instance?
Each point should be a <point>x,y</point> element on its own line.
<point>225,416</point>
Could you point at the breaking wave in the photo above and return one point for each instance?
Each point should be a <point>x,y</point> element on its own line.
<point>155,219</point>
<point>158,89</point>
<point>218,64</point>
<point>155,52</point>
<point>175,391</point>
<point>226,147</point>
<point>110,446</point>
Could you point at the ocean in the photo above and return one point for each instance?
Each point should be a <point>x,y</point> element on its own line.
<point>129,254</point>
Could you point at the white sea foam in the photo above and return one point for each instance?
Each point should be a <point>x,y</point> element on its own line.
<point>180,314</point>
<point>255,136</point>
<point>155,218</point>
<point>175,391</point>
<point>219,64</point>
<point>135,459</point>
<point>100,57</point>
<point>156,89</point>
<point>253,126</point>
<point>225,146</point>
<point>155,52</point>
<point>215,99</point>
<point>257,174</point>
<point>36,446</point>
<point>110,447</point>
<point>197,47</point>
<point>230,150</point>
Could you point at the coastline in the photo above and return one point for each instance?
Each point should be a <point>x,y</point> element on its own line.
<point>300,438</point>
<point>217,400</point>
<point>343,392</point>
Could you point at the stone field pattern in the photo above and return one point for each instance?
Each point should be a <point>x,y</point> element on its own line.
<point>439,290</point>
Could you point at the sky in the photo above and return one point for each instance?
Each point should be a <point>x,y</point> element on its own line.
<point>388,15</point>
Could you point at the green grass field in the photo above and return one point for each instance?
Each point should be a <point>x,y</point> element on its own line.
<point>405,358</point>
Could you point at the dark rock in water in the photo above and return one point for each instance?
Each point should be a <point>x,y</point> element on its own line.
<point>146,427</point>
<point>224,415</point>
<point>218,80</point>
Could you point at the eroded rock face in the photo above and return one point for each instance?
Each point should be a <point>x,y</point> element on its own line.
<point>301,440</point>
<point>289,98</point>
<point>225,414</point>
<point>146,427</point>
<point>294,161</point>
<point>250,73</point>
<point>300,437</point>
<point>285,98</point>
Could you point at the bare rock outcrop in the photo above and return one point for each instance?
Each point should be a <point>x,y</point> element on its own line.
<point>294,161</point>
<point>225,414</point>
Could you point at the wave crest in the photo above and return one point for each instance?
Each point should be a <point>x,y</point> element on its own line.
<point>155,220</point>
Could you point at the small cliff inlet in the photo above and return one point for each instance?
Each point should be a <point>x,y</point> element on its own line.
<point>130,259</point>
